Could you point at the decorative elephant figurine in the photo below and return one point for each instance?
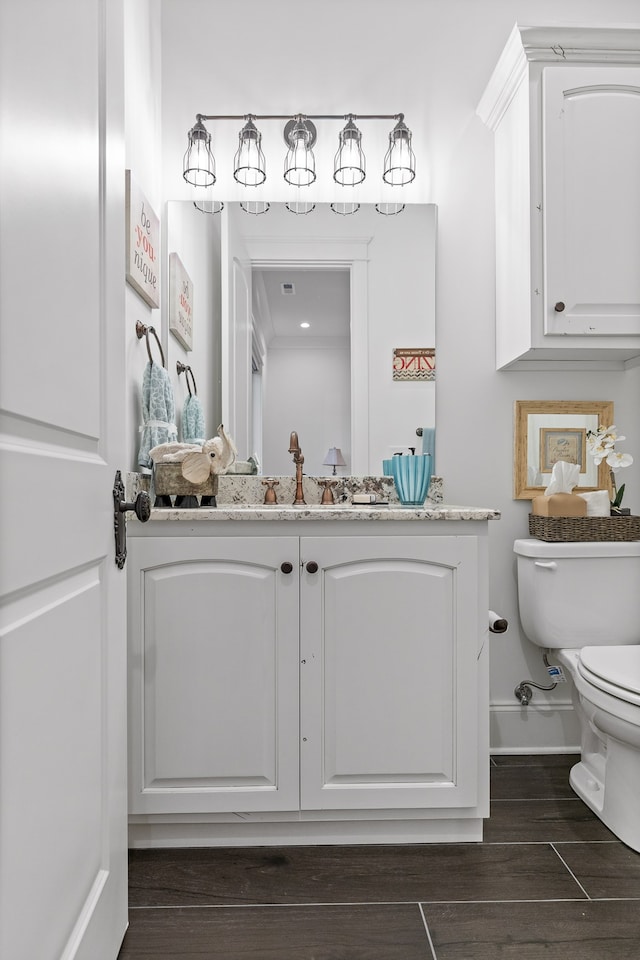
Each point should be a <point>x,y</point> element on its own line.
<point>198,462</point>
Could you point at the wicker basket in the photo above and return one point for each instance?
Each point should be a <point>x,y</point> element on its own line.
<point>584,528</point>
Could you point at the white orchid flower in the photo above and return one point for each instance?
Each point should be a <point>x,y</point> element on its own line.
<point>618,460</point>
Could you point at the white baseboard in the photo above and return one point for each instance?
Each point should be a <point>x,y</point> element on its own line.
<point>544,728</point>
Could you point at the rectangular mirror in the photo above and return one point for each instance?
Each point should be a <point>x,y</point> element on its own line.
<point>551,430</point>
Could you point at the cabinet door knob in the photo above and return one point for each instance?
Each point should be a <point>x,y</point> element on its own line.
<point>286,567</point>
<point>312,567</point>
<point>559,307</point>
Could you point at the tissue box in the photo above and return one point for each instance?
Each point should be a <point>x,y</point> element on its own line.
<point>559,505</point>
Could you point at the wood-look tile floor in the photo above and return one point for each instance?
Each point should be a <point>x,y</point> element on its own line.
<point>548,882</point>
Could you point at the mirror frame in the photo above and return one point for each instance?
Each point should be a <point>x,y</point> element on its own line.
<point>602,409</point>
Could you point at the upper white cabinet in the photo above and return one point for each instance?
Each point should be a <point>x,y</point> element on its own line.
<point>564,105</point>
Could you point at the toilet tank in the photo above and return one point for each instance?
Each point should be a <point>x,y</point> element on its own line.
<point>579,594</point>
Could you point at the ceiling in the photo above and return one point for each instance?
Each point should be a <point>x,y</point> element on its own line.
<point>321,298</point>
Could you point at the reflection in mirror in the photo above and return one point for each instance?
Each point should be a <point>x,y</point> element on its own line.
<point>365,284</point>
<point>550,430</point>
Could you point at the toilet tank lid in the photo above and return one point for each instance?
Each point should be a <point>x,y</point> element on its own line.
<point>580,548</point>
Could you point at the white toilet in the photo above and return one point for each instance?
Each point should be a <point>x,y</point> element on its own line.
<point>582,602</point>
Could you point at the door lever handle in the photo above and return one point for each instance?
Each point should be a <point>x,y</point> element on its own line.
<point>141,506</point>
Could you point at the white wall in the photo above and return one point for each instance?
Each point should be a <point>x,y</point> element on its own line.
<point>432,60</point>
<point>191,234</point>
<point>195,237</point>
<point>306,390</point>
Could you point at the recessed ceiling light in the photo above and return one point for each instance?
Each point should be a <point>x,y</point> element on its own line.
<point>305,325</point>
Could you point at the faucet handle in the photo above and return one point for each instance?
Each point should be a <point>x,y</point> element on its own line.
<point>327,493</point>
<point>270,493</point>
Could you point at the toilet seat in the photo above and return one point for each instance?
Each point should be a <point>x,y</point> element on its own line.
<point>614,670</point>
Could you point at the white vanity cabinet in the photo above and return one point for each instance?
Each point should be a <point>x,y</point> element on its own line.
<point>292,685</point>
<point>564,105</point>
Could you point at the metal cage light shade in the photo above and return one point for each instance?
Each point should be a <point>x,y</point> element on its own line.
<point>349,163</point>
<point>249,165</point>
<point>389,209</point>
<point>209,206</point>
<point>300,163</point>
<point>300,207</point>
<point>255,207</point>
<point>399,161</point>
<point>199,165</point>
<point>345,209</point>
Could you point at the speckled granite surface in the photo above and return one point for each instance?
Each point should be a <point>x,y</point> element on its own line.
<point>318,512</point>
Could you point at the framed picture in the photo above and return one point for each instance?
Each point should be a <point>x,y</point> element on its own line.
<point>414,363</point>
<point>559,443</point>
<point>180,302</point>
<point>546,431</point>
<point>143,244</point>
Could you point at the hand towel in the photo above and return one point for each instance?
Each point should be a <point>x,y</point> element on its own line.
<point>429,445</point>
<point>158,412</point>
<point>192,421</point>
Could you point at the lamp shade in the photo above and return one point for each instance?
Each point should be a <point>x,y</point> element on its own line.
<point>300,163</point>
<point>400,161</point>
<point>199,165</point>
<point>334,458</point>
<point>249,163</point>
<point>349,162</point>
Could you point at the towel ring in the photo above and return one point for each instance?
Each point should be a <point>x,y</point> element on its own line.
<point>183,368</point>
<point>143,331</point>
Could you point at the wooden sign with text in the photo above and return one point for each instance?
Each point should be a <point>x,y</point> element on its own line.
<point>414,363</point>
<point>180,302</point>
<point>143,244</point>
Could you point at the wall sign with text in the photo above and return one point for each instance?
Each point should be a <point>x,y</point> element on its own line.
<point>414,363</point>
<point>180,302</point>
<point>143,244</point>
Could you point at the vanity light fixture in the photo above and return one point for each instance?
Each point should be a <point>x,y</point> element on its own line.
<point>249,163</point>
<point>389,209</point>
<point>209,206</point>
<point>199,165</point>
<point>305,325</point>
<point>400,161</point>
<point>300,134</point>
<point>300,207</point>
<point>349,163</point>
<point>256,207</point>
<point>345,209</point>
<point>300,162</point>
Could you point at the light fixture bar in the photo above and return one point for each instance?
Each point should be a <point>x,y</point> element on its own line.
<point>300,165</point>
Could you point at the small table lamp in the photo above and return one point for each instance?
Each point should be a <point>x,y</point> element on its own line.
<point>334,459</point>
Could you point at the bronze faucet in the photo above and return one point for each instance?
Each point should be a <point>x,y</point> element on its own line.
<point>298,459</point>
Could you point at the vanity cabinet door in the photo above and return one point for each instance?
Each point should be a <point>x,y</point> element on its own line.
<point>213,674</point>
<point>591,201</point>
<point>389,685</point>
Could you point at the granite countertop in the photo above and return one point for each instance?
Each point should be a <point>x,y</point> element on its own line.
<point>338,511</point>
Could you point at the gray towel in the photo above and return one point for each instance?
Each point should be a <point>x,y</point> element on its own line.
<point>158,412</point>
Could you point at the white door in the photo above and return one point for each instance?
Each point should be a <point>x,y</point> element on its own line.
<point>388,672</point>
<point>592,199</point>
<point>62,626</point>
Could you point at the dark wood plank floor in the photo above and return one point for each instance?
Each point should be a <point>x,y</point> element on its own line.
<point>548,882</point>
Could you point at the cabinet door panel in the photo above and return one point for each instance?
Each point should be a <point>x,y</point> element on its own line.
<point>215,676</point>
<point>388,679</point>
<point>592,199</point>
